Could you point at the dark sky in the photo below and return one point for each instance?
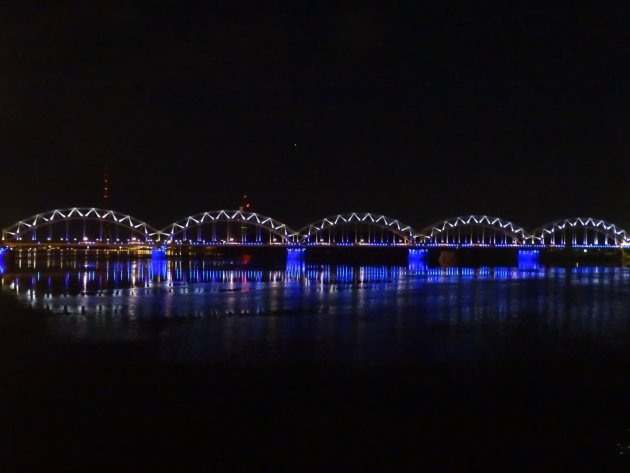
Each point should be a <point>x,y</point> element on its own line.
<point>418,112</point>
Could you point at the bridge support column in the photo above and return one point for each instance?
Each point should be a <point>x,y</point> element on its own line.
<point>417,259</point>
<point>3,250</point>
<point>159,264</point>
<point>295,266</point>
<point>528,259</point>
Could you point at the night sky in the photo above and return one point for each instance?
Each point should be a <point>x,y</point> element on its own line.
<point>419,113</point>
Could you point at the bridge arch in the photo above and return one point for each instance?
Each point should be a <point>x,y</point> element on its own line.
<point>358,228</point>
<point>229,227</point>
<point>580,232</point>
<point>80,224</point>
<point>474,230</point>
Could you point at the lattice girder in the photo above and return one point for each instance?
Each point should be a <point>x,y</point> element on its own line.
<point>575,225</point>
<point>279,229</point>
<point>30,224</point>
<point>404,231</point>
<point>504,227</point>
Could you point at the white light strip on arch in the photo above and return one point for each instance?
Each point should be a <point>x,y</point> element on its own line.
<point>588,223</point>
<point>273,226</point>
<point>80,213</point>
<point>504,226</point>
<point>610,230</point>
<point>391,224</point>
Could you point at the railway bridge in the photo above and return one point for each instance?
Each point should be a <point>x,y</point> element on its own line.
<point>90,228</point>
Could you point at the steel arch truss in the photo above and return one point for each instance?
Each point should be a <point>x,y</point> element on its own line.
<point>581,232</point>
<point>474,230</point>
<point>178,231</point>
<point>313,233</point>
<point>31,224</point>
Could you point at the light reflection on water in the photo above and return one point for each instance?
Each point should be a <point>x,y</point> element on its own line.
<point>320,311</point>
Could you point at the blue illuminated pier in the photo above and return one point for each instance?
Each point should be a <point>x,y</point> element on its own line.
<point>3,251</point>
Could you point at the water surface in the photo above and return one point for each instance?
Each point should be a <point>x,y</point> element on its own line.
<point>446,366</point>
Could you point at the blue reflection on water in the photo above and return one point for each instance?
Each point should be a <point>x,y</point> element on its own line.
<point>327,310</point>
<point>159,270</point>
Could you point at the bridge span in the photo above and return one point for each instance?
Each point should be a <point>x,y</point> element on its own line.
<point>103,229</point>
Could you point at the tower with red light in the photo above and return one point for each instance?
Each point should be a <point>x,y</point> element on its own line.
<point>245,205</point>
<point>105,188</point>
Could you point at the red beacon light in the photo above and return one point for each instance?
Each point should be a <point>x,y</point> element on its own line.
<point>245,205</point>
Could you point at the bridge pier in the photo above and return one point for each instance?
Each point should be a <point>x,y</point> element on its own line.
<point>295,265</point>
<point>417,259</point>
<point>528,259</point>
<point>3,263</point>
<point>158,252</point>
<point>159,263</point>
